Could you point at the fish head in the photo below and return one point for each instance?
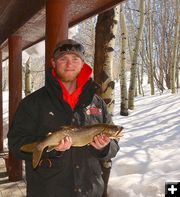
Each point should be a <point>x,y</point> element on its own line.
<point>113,131</point>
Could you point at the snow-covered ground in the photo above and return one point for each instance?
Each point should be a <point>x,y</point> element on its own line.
<point>149,154</point>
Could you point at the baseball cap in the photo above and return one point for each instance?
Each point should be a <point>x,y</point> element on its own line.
<point>69,46</point>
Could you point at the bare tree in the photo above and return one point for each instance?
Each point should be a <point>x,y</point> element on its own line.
<point>104,47</point>
<point>123,81</point>
<point>175,46</point>
<point>28,78</point>
<point>150,48</point>
<point>103,65</point>
<point>135,56</point>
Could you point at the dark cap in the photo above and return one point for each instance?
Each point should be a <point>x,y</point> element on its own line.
<point>69,46</point>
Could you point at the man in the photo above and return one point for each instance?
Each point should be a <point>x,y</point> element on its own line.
<point>68,98</point>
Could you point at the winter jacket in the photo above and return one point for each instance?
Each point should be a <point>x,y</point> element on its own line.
<point>75,172</point>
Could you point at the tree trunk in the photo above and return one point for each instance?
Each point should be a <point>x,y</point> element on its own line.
<point>124,95</point>
<point>28,78</point>
<point>135,56</point>
<point>103,63</point>
<point>162,48</point>
<point>175,48</point>
<point>150,32</point>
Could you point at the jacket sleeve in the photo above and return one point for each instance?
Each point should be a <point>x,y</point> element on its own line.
<point>24,130</point>
<point>21,131</point>
<point>112,148</point>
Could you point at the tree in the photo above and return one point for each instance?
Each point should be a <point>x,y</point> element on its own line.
<point>124,95</point>
<point>150,49</point>
<point>135,56</point>
<point>175,47</point>
<point>28,77</point>
<point>103,63</point>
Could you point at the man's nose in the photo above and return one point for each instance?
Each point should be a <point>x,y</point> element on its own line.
<point>69,62</point>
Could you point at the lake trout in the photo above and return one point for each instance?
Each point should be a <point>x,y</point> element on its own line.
<point>81,136</point>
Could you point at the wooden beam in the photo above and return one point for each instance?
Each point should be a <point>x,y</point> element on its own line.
<point>56,26</point>
<point>15,96</point>
<point>15,13</point>
<point>1,105</point>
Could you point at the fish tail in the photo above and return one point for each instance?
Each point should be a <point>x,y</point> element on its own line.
<point>36,157</point>
<point>28,147</point>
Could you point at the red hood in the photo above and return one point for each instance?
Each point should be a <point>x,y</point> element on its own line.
<point>83,77</point>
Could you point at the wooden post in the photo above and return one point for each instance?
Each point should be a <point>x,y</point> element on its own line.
<point>56,26</point>
<point>1,105</point>
<point>15,96</point>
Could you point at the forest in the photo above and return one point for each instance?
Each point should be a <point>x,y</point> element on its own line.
<point>124,44</point>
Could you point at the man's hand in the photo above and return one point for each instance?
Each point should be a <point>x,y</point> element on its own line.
<point>100,141</point>
<point>64,144</point>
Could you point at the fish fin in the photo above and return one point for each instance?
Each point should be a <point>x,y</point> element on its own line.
<point>36,157</point>
<point>28,147</point>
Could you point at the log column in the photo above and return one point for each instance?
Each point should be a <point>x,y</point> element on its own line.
<point>1,105</point>
<point>56,26</point>
<point>15,96</point>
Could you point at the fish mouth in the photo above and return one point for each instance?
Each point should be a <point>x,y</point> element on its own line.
<point>118,134</point>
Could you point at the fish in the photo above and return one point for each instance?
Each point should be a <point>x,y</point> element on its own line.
<point>81,136</point>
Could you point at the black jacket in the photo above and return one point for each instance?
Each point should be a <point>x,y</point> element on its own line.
<point>75,172</point>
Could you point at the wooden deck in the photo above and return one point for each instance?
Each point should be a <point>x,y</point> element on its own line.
<point>10,189</point>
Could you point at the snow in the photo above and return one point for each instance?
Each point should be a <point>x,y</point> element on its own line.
<point>149,150</point>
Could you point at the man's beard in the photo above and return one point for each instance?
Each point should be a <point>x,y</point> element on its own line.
<point>70,78</point>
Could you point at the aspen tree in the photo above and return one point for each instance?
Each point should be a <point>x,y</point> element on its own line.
<point>104,47</point>
<point>150,33</point>
<point>175,47</point>
<point>28,77</point>
<point>135,56</point>
<point>123,86</point>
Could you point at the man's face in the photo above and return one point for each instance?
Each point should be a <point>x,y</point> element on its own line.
<point>68,67</point>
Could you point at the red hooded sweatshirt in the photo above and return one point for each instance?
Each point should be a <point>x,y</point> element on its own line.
<point>82,78</point>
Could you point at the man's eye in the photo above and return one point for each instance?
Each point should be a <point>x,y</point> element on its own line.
<point>75,58</point>
<point>62,59</point>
